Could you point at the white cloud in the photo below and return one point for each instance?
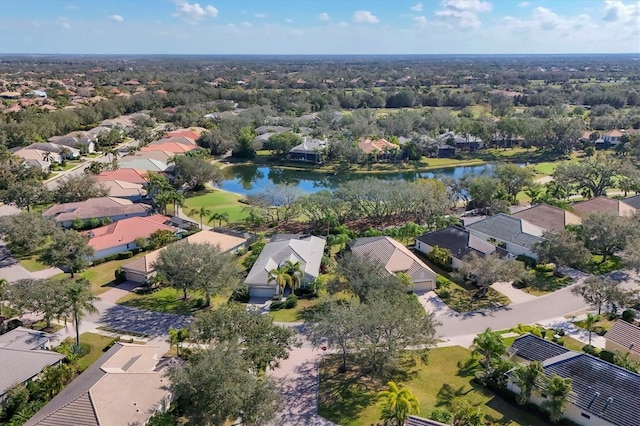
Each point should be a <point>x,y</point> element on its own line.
<point>543,19</point>
<point>463,12</point>
<point>417,7</point>
<point>617,11</point>
<point>523,4</point>
<point>324,16</point>
<point>64,23</point>
<point>193,11</point>
<point>365,17</point>
<point>260,15</point>
<point>117,18</point>
<point>288,20</point>
<point>342,24</point>
<point>246,24</point>
<point>420,21</point>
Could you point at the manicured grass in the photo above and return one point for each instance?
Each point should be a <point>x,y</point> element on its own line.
<point>597,267</point>
<point>168,300</point>
<point>545,282</point>
<point>99,345</point>
<point>31,264</point>
<point>217,202</point>
<point>296,314</point>
<point>101,277</point>
<point>599,328</point>
<point>350,399</point>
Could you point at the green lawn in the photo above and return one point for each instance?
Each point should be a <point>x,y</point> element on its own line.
<point>351,399</point>
<point>217,202</point>
<point>545,282</point>
<point>31,264</point>
<point>296,314</point>
<point>599,328</point>
<point>99,345</point>
<point>597,267</point>
<point>101,277</point>
<point>169,300</point>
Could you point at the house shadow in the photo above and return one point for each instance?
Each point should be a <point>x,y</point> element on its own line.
<point>154,324</point>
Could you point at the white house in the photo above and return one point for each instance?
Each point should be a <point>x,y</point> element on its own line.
<point>515,235</point>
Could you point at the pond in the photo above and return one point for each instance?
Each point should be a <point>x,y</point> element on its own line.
<point>246,179</point>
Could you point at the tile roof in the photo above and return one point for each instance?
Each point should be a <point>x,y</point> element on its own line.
<point>602,204</point>
<point>369,146</point>
<point>95,208</point>
<point>125,386</point>
<point>534,348</point>
<point>393,256</point>
<point>459,242</point>
<point>20,365</point>
<point>549,217</point>
<point>124,174</point>
<point>309,146</point>
<point>159,155</point>
<point>24,339</point>
<point>633,201</point>
<point>226,242</point>
<point>185,133</point>
<point>143,164</point>
<point>625,334</point>
<point>419,421</point>
<point>510,229</point>
<point>308,250</point>
<point>599,388</point>
<point>119,188</point>
<point>182,140</point>
<point>174,147</point>
<point>125,231</point>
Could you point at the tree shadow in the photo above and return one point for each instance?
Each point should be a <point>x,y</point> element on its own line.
<point>447,393</point>
<point>468,368</point>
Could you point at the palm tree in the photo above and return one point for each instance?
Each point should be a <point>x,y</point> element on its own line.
<point>202,212</point>
<point>47,156</point>
<point>489,345</point>
<point>527,377</point>
<point>280,277</point>
<point>220,217</point>
<point>295,272</point>
<point>557,190</point>
<point>66,153</point>
<point>110,151</point>
<point>589,322</point>
<point>79,300</point>
<point>399,404</point>
<point>534,191</point>
<point>557,390</point>
<point>177,336</point>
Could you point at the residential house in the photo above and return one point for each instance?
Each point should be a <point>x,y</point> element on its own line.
<point>633,202</point>
<point>395,258</point>
<point>380,148</point>
<point>183,140</point>
<point>612,137</point>
<point>603,204</point>
<point>124,175</point>
<point>446,151</point>
<point>310,150</point>
<point>141,270</point>
<point>162,156</point>
<point>602,393</point>
<point>65,152</point>
<point>187,133</point>
<point>96,208</point>
<point>125,386</point>
<point>121,122</point>
<point>43,159</point>
<point>459,242</point>
<point>173,147</point>
<point>515,235</point>
<point>125,190</point>
<point>528,348</point>
<point>145,164</point>
<point>83,141</point>
<point>548,217</point>
<point>308,250</point>
<point>121,235</point>
<point>624,337</point>
<point>23,355</point>
<point>462,142</point>
<point>99,130</point>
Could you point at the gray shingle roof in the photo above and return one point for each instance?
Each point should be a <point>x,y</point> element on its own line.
<point>459,242</point>
<point>19,366</point>
<point>510,229</point>
<point>625,334</point>
<point>534,348</point>
<point>633,201</point>
<point>548,217</point>
<point>96,208</point>
<point>24,339</point>
<point>599,388</point>
<point>308,250</point>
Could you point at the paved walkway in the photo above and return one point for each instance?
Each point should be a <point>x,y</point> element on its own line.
<point>515,295</point>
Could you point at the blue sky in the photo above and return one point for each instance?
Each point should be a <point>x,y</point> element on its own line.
<point>319,27</point>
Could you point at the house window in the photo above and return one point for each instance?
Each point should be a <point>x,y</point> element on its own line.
<point>585,415</point>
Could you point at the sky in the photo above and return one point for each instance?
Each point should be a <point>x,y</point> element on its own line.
<point>319,26</point>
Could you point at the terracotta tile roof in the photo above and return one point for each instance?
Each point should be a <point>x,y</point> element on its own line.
<point>124,175</point>
<point>177,139</point>
<point>549,217</point>
<point>369,146</point>
<point>174,147</point>
<point>393,256</point>
<point>613,133</point>
<point>625,334</point>
<point>602,204</point>
<point>125,231</point>
<point>185,133</point>
<point>95,208</point>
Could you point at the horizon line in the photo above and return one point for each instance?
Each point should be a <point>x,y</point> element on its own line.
<point>320,54</point>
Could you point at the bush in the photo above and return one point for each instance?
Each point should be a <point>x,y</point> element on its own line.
<point>240,294</point>
<point>560,332</point>
<point>629,315</point>
<point>441,415</point>
<point>291,302</point>
<point>607,356</point>
<point>591,350</point>
<point>529,262</point>
<point>125,255</point>
<point>541,267</point>
<point>277,297</point>
<point>120,275</point>
<point>276,306</point>
<point>303,291</point>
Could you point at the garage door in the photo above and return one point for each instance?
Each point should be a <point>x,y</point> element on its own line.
<point>267,292</point>
<point>424,286</point>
